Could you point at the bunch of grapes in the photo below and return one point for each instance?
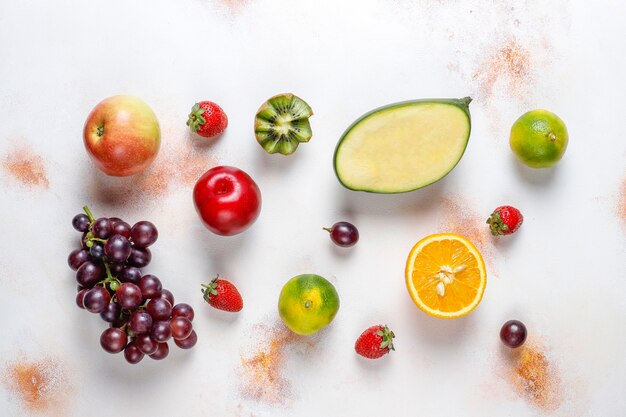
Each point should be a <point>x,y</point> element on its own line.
<point>141,313</point>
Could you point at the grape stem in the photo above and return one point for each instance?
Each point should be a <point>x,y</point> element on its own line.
<point>89,214</point>
<point>328,229</point>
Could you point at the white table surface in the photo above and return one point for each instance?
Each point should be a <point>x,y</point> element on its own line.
<point>562,274</point>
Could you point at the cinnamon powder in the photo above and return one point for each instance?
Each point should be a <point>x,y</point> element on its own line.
<point>39,385</point>
<point>535,378</point>
<point>459,217</point>
<point>509,66</point>
<point>26,166</point>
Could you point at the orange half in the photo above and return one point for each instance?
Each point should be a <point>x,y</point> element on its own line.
<point>445,275</point>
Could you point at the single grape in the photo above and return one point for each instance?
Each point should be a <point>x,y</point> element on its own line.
<point>117,268</point>
<point>513,333</point>
<point>159,308</point>
<point>89,274</point>
<point>140,322</point>
<point>167,294</point>
<point>132,354</point>
<point>79,297</point>
<point>77,257</point>
<point>150,286</point>
<point>143,234</point>
<point>139,257</point>
<point>183,310</point>
<point>113,340</point>
<point>146,344</point>
<point>120,227</point>
<point>117,248</point>
<point>102,228</point>
<point>162,351</point>
<point>96,251</point>
<point>111,312</point>
<point>129,296</point>
<point>161,331</point>
<point>96,300</point>
<point>122,319</point>
<point>130,274</point>
<point>181,328</point>
<point>343,234</point>
<point>189,342</point>
<point>80,222</point>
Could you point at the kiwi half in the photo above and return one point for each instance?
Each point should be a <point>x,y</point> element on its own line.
<point>282,122</point>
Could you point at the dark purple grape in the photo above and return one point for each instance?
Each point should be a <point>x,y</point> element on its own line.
<point>121,320</point>
<point>129,296</point>
<point>102,228</point>
<point>161,331</point>
<point>117,268</point>
<point>143,234</point>
<point>513,333</point>
<point>79,297</point>
<point>167,294</point>
<point>117,248</point>
<point>130,274</point>
<point>162,351</point>
<point>146,344</point>
<point>120,227</point>
<point>111,312</point>
<point>181,328</point>
<point>132,353</point>
<point>89,274</point>
<point>96,300</point>
<point>140,322</point>
<point>150,286</point>
<point>113,340</point>
<point>77,257</point>
<point>80,222</point>
<point>189,342</point>
<point>139,257</point>
<point>96,251</point>
<point>183,310</point>
<point>159,308</point>
<point>343,234</point>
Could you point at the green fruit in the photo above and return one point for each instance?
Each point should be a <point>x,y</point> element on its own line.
<point>282,122</point>
<point>403,146</point>
<point>539,138</point>
<point>308,303</point>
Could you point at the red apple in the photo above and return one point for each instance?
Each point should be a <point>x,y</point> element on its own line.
<point>122,135</point>
<point>227,200</point>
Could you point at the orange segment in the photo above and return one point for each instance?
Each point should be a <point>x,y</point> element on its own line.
<point>445,275</point>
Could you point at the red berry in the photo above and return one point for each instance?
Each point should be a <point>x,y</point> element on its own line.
<point>375,342</point>
<point>505,220</point>
<point>222,295</point>
<point>207,119</point>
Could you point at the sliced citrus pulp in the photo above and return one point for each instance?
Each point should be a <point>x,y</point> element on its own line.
<point>445,275</point>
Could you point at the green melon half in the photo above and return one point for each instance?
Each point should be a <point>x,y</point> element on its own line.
<point>403,146</point>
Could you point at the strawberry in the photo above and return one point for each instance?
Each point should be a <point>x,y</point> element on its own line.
<point>375,342</point>
<point>222,295</point>
<point>505,220</point>
<point>207,119</point>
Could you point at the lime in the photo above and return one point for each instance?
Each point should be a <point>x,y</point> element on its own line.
<point>539,138</point>
<point>308,303</point>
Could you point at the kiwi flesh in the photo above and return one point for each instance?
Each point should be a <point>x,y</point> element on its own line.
<point>282,123</point>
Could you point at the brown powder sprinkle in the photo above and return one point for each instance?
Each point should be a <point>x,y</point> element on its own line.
<point>263,378</point>
<point>535,378</point>
<point>40,385</point>
<point>177,164</point>
<point>460,218</point>
<point>621,202</point>
<point>508,66</point>
<point>29,168</point>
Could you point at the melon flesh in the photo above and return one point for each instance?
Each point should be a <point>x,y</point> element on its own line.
<point>404,147</point>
